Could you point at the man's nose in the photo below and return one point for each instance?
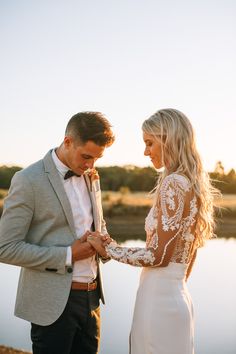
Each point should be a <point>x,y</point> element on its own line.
<point>90,164</point>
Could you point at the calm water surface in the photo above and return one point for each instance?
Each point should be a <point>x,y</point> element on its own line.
<point>212,286</point>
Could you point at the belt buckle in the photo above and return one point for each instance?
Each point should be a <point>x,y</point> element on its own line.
<point>92,284</point>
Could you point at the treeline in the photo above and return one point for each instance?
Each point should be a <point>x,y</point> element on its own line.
<point>6,174</point>
<point>134,178</point>
<point>225,182</point>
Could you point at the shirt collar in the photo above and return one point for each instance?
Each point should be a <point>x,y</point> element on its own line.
<point>60,166</point>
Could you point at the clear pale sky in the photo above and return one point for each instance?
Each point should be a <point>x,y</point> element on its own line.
<point>125,58</point>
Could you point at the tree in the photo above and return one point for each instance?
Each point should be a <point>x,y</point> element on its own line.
<point>6,174</point>
<point>219,168</point>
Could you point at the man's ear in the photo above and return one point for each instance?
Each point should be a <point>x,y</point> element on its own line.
<point>67,141</point>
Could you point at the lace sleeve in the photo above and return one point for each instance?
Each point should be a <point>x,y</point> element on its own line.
<point>166,226</point>
<point>135,256</point>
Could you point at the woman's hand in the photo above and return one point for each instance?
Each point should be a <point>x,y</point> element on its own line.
<point>106,239</point>
<point>97,240</point>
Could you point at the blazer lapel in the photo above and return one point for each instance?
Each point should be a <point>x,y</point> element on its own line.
<point>54,178</point>
<point>95,196</point>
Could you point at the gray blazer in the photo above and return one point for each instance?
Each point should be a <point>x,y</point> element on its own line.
<point>36,228</point>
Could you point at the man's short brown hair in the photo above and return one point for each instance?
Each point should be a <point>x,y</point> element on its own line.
<point>93,126</point>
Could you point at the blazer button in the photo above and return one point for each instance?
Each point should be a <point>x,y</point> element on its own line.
<point>69,270</point>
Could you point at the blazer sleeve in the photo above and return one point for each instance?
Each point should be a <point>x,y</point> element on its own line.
<point>15,223</point>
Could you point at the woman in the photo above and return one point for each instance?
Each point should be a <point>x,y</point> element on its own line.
<point>179,222</point>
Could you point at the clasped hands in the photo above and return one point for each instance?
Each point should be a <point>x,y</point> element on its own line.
<point>99,241</point>
<point>89,244</point>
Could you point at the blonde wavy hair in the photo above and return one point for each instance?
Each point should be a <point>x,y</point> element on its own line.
<point>179,153</point>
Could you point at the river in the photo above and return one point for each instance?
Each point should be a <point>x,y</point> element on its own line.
<point>212,286</point>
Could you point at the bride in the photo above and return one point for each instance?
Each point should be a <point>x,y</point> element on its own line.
<point>179,222</point>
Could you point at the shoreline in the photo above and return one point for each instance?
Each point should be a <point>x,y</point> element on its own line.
<point>9,350</point>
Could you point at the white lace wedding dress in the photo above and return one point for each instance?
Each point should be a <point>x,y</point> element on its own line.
<point>163,314</point>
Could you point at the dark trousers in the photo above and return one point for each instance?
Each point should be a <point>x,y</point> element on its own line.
<point>76,331</point>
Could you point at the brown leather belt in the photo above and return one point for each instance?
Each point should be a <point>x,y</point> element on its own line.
<point>84,286</point>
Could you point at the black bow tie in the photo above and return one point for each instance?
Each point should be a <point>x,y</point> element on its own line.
<point>69,174</point>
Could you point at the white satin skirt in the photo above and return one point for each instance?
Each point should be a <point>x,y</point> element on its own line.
<point>163,313</point>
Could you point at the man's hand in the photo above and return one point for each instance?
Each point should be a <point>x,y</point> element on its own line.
<point>82,249</point>
<point>106,239</point>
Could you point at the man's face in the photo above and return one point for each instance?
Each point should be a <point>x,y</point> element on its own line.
<point>79,157</point>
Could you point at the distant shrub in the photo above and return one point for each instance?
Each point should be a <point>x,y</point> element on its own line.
<point>6,174</point>
<point>124,190</point>
<point>106,197</point>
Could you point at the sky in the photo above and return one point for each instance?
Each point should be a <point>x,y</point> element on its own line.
<point>125,58</point>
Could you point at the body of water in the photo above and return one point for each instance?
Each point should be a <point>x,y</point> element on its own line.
<point>212,286</point>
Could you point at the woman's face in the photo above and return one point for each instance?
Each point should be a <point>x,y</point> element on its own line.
<point>153,150</point>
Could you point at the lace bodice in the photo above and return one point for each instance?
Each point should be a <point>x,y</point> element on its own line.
<point>169,225</point>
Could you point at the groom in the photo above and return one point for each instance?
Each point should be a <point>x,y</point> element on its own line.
<point>51,207</point>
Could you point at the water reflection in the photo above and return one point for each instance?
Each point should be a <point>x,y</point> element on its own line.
<point>212,286</point>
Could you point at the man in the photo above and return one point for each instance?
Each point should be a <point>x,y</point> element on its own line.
<point>51,207</point>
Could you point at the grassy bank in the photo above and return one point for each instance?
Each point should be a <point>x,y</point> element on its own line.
<point>125,214</point>
<point>3,193</point>
<point>8,350</point>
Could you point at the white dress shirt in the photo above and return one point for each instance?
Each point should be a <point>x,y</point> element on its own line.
<point>76,189</point>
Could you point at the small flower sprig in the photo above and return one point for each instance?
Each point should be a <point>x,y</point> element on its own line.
<point>93,174</point>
